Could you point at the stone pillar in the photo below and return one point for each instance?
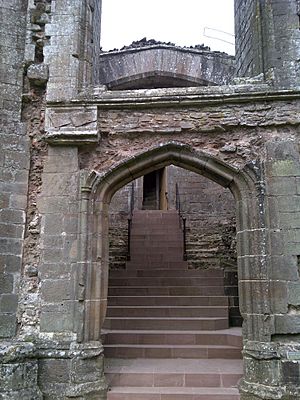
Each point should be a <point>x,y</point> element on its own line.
<point>74,34</point>
<point>14,161</point>
<point>18,372</point>
<point>272,356</point>
<point>72,371</point>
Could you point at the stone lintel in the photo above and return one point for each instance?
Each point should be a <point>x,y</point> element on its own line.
<point>77,138</point>
<point>177,97</point>
<point>71,125</point>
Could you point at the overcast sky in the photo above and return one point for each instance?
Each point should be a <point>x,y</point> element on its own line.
<point>184,23</point>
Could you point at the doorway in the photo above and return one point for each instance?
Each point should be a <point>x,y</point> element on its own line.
<point>155,194</point>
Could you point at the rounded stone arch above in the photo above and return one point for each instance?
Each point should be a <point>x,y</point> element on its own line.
<point>164,66</point>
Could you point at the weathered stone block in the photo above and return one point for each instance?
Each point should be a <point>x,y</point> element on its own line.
<point>8,303</point>
<point>290,373</point>
<point>8,325</point>
<point>279,296</point>
<point>57,370</point>
<point>281,186</point>
<point>287,324</point>
<point>53,205</point>
<point>6,283</point>
<point>60,184</point>
<point>87,370</point>
<point>293,293</point>
<point>253,267</point>
<point>55,271</point>
<point>10,263</point>
<point>56,321</point>
<point>38,74</point>
<point>56,290</point>
<point>254,297</point>
<point>52,224</point>
<point>289,203</point>
<point>284,267</point>
<point>12,216</point>
<point>288,167</point>
<point>266,372</point>
<point>50,255</point>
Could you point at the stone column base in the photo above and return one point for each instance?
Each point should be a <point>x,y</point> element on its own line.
<point>18,372</point>
<point>74,371</point>
<point>272,371</point>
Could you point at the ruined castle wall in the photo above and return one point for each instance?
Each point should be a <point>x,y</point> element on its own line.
<point>268,39</point>
<point>249,60</point>
<point>209,210</point>
<point>73,46</point>
<point>14,160</point>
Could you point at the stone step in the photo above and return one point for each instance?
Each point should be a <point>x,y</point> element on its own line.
<point>171,393</point>
<point>166,323</point>
<point>168,300</point>
<point>167,272</point>
<point>165,252</point>
<point>158,256</point>
<point>147,263</point>
<point>174,378</point>
<point>172,351</point>
<point>140,237</point>
<point>166,291</point>
<point>145,246</point>
<point>166,281</point>
<point>227,337</point>
<point>167,311</point>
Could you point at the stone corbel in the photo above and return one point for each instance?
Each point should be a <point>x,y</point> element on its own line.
<point>71,125</point>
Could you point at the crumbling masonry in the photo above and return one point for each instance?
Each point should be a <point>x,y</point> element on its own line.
<point>77,125</point>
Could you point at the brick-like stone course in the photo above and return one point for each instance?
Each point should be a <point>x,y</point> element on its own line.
<point>14,160</point>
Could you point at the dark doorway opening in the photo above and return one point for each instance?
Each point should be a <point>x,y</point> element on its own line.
<point>155,195</point>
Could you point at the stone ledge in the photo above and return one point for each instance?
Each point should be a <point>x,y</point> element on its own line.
<point>71,138</point>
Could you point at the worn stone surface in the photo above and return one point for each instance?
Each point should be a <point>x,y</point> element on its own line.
<point>55,198</point>
<point>162,65</point>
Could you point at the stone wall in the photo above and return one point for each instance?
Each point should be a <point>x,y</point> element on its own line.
<point>249,58</point>
<point>210,217</point>
<point>14,161</point>
<point>267,40</point>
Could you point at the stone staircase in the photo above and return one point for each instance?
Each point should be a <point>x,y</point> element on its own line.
<point>166,334</point>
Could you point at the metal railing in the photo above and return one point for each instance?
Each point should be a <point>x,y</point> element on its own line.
<point>183,221</point>
<point>131,208</point>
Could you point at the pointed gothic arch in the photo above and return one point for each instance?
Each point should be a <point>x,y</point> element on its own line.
<point>97,193</point>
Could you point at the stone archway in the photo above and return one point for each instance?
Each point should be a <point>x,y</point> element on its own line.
<point>98,192</point>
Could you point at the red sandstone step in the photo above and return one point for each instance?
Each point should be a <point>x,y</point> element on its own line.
<point>166,291</point>
<point>155,257</point>
<point>168,300</point>
<point>227,337</point>
<point>173,377</point>
<point>139,237</point>
<point>166,272</point>
<point>156,323</point>
<point>166,281</point>
<point>147,264</point>
<point>172,351</point>
<point>171,393</point>
<point>167,311</point>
